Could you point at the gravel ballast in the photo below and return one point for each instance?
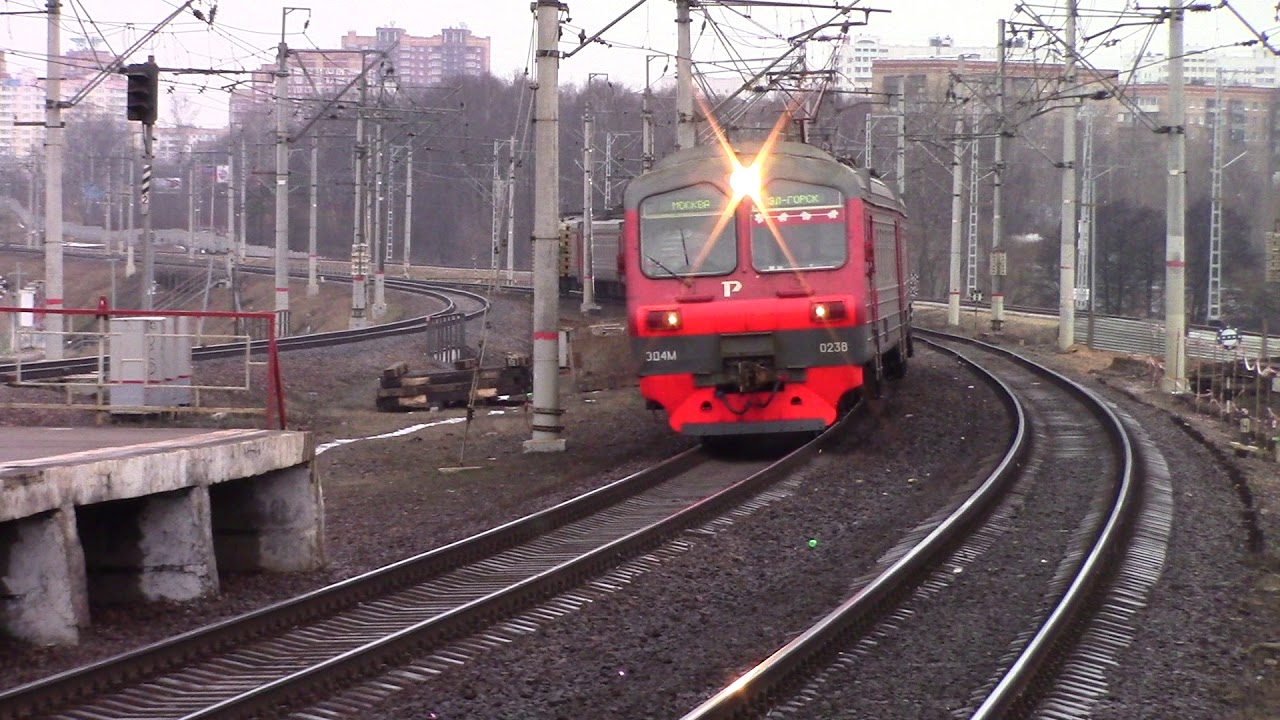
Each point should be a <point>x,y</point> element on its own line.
<point>643,651</point>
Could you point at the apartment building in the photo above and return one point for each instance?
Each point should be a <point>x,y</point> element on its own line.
<point>22,98</point>
<point>426,61</point>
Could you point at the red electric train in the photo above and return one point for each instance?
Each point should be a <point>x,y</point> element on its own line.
<point>765,287</point>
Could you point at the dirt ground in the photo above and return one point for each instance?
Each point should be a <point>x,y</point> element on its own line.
<point>440,478</point>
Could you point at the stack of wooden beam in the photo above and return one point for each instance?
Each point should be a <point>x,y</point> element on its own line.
<point>400,390</point>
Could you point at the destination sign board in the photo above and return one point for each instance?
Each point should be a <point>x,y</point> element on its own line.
<point>694,200</point>
<point>788,194</point>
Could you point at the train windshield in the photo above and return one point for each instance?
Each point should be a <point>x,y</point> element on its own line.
<point>676,233</point>
<point>804,228</point>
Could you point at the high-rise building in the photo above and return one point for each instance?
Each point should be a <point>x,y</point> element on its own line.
<point>859,53</point>
<point>22,99</point>
<point>1256,67</point>
<point>412,61</point>
<point>312,74</point>
<point>423,61</point>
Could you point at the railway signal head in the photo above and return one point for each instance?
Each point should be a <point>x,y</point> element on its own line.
<point>143,92</point>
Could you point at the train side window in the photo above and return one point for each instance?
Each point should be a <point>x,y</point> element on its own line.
<point>810,228</point>
<point>676,233</point>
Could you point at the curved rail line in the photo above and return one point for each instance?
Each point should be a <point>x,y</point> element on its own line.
<point>330,638</point>
<point>46,369</point>
<point>780,674</point>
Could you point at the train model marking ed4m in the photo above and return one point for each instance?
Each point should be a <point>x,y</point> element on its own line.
<point>765,287</point>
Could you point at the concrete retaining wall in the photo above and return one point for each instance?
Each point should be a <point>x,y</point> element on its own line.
<point>151,521</point>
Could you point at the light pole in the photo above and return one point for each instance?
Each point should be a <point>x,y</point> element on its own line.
<point>588,198</point>
<point>646,118</point>
<point>282,174</point>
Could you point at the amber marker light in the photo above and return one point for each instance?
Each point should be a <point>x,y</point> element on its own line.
<point>830,311</point>
<point>663,320</point>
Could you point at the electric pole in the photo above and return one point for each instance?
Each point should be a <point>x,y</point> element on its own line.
<point>900,168</point>
<point>868,126</point>
<point>1085,233</point>
<point>1067,249</point>
<point>686,130</point>
<point>129,267</point>
<point>1213,309</point>
<point>244,188</point>
<point>232,240</point>
<point>191,203</point>
<point>53,141</point>
<point>971,231</point>
<point>608,171</point>
<point>142,105</point>
<point>107,208</point>
<point>313,284</point>
<point>496,212</point>
<point>375,235</point>
<point>957,183</point>
<point>388,180</point>
<point>359,248</point>
<point>511,212</point>
<point>547,425</point>
<point>1175,313</point>
<point>282,183</point>
<point>148,237</point>
<point>646,123</point>
<point>588,212</point>
<point>997,261</point>
<point>408,203</point>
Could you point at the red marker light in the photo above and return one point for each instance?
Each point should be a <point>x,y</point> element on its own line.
<point>828,311</point>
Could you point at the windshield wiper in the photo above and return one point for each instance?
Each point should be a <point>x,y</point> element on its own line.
<point>658,262</point>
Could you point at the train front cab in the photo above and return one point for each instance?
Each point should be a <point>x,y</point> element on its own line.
<point>742,334</point>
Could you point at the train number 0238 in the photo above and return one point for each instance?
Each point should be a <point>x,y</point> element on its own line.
<point>833,347</point>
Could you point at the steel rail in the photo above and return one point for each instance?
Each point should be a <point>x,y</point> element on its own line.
<point>462,620</point>
<point>47,369</point>
<point>322,677</point>
<point>752,693</point>
<point>1017,687</point>
<point>49,693</point>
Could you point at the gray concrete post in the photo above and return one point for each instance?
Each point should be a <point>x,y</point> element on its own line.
<point>272,522</point>
<point>547,426</point>
<point>1067,225</point>
<point>1175,272</point>
<point>42,573</point>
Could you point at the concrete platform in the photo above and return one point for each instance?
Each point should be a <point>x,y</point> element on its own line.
<point>126,515</point>
<point>44,443</point>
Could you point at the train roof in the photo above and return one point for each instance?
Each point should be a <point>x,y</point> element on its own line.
<point>788,158</point>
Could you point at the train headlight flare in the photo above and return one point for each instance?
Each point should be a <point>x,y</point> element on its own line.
<point>745,181</point>
<point>669,320</point>
<point>828,311</point>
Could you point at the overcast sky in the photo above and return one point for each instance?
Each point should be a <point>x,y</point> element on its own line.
<point>245,32</point>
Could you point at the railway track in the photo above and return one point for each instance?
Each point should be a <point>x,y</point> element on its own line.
<point>1102,571</point>
<point>447,295</point>
<point>412,619</point>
